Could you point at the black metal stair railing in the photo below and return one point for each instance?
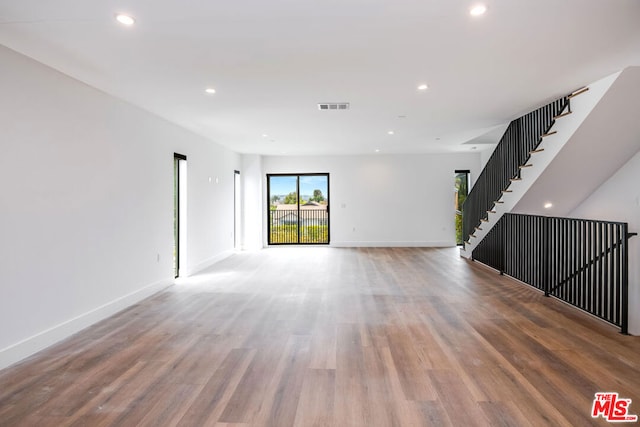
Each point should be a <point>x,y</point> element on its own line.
<point>523,135</point>
<point>582,262</point>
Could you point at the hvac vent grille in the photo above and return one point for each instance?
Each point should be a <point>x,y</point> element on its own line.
<point>326,106</point>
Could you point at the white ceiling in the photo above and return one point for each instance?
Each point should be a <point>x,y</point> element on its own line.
<point>272,61</point>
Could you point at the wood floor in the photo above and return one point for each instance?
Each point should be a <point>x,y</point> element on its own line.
<point>331,337</point>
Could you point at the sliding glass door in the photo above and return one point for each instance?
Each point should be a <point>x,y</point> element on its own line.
<point>298,208</point>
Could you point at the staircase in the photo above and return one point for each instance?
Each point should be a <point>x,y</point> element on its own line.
<point>527,148</point>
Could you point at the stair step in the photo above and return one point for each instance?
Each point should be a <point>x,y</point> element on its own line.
<point>539,150</point>
<point>544,135</point>
<point>478,228</point>
<point>525,166</point>
<point>491,211</point>
<point>472,235</point>
<point>498,201</point>
<point>484,220</point>
<point>578,92</point>
<point>515,179</point>
<point>507,191</point>
<point>562,115</point>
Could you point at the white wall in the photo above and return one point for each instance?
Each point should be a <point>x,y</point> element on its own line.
<point>252,201</point>
<point>86,206</point>
<point>485,155</point>
<point>385,200</point>
<point>618,199</point>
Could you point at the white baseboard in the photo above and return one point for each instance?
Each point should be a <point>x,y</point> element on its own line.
<point>44,339</point>
<point>354,244</point>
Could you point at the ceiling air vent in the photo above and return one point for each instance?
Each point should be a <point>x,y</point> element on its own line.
<point>333,106</point>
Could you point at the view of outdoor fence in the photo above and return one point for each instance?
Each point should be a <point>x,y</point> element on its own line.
<point>288,226</point>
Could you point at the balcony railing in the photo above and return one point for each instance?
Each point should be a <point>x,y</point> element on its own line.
<point>582,262</point>
<point>293,226</point>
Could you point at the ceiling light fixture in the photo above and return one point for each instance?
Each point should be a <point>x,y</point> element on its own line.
<point>125,19</point>
<point>390,132</point>
<point>548,205</point>
<point>210,90</point>
<point>264,135</point>
<point>478,10</point>
<point>377,150</point>
<point>423,87</point>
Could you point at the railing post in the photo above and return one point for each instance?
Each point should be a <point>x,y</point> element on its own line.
<point>546,254</point>
<point>624,316</point>
<point>503,242</point>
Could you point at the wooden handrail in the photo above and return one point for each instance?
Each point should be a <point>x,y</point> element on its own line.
<point>578,92</point>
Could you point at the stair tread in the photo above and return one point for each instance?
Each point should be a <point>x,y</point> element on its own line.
<point>562,115</point>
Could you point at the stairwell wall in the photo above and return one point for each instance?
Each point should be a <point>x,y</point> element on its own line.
<point>618,199</point>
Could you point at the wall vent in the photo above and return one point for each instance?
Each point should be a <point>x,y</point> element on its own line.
<point>326,106</point>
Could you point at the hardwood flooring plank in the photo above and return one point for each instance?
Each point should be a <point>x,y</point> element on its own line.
<point>316,403</point>
<point>433,414</point>
<point>411,366</point>
<point>281,399</point>
<point>351,404</point>
<point>456,399</point>
<point>250,392</point>
<point>323,346</point>
<point>214,396</point>
<point>504,414</point>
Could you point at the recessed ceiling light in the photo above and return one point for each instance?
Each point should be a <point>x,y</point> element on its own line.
<point>548,205</point>
<point>264,135</point>
<point>478,10</point>
<point>125,19</point>
<point>423,87</point>
<point>377,150</point>
<point>390,132</point>
<point>210,90</point>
